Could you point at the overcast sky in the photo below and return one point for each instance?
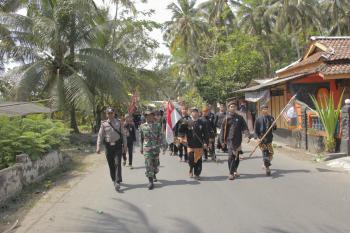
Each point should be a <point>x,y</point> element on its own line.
<point>161,15</point>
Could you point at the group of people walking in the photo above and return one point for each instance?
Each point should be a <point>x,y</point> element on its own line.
<point>194,134</point>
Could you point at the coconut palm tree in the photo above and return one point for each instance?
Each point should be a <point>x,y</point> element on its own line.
<point>186,25</point>
<point>217,11</point>
<point>336,17</point>
<point>51,46</point>
<point>296,18</point>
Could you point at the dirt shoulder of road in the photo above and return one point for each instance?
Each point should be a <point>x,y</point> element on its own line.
<point>79,161</point>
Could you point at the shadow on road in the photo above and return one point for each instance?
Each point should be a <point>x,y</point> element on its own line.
<point>160,184</point>
<point>185,225</point>
<point>328,170</point>
<point>127,218</point>
<point>143,167</point>
<point>213,178</point>
<point>298,228</point>
<point>276,173</point>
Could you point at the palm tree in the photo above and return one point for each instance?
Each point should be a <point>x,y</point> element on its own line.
<point>10,5</point>
<point>51,45</point>
<point>296,18</point>
<point>215,10</point>
<point>222,22</point>
<point>253,19</point>
<point>336,17</point>
<point>186,27</point>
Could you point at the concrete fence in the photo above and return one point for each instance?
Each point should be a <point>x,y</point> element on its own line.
<point>26,171</point>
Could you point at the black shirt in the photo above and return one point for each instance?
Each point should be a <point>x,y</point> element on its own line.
<point>219,118</point>
<point>262,124</point>
<point>196,133</point>
<point>232,129</point>
<point>210,124</point>
<point>131,132</point>
<point>181,126</point>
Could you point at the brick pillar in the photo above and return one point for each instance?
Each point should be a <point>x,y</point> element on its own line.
<point>345,124</point>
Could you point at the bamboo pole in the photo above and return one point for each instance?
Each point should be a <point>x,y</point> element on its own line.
<point>272,125</point>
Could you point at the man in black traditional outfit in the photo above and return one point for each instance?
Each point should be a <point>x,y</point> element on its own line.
<point>262,124</point>
<point>197,137</point>
<point>232,129</point>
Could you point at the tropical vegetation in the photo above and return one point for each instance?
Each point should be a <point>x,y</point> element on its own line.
<point>329,115</point>
<point>33,135</point>
<point>74,53</point>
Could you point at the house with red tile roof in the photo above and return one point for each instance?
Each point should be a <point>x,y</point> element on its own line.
<point>324,69</point>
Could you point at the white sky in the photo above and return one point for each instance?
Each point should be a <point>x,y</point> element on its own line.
<point>161,15</point>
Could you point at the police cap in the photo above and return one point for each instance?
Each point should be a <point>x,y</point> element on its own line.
<point>109,110</point>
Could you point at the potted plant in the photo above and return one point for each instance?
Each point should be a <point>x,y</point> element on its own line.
<point>329,117</point>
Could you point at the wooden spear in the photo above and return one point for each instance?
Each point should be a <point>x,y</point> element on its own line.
<point>272,125</point>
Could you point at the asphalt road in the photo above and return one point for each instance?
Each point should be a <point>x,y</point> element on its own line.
<point>300,196</point>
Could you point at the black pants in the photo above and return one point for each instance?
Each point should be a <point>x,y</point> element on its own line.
<point>220,146</point>
<point>196,168</point>
<point>183,151</point>
<point>233,162</point>
<point>130,152</point>
<point>114,157</point>
<point>173,148</point>
<point>211,149</point>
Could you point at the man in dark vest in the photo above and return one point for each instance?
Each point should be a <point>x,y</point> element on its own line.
<point>180,134</point>
<point>219,119</point>
<point>232,129</point>
<point>197,137</point>
<point>262,124</point>
<point>209,119</point>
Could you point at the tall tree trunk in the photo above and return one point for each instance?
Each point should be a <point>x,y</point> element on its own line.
<point>73,120</point>
<point>98,110</point>
<point>72,41</point>
<point>115,21</point>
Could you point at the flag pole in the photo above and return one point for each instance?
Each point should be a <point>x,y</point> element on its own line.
<point>272,125</point>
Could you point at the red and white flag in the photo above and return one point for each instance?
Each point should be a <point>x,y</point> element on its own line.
<point>172,117</point>
<point>133,103</point>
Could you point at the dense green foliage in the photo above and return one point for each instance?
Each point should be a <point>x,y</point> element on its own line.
<point>231,69</point>
<point>33,135</point>
<point>221,45</point>
<point>72,52</point>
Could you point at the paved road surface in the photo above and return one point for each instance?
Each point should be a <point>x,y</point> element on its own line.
<point>299,197</point>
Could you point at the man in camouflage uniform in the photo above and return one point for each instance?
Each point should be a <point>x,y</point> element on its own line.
<point>151,136</point>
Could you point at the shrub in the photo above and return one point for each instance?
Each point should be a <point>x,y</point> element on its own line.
<point>33,135</point>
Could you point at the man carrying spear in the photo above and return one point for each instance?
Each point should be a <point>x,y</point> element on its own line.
<point>262,124</point>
